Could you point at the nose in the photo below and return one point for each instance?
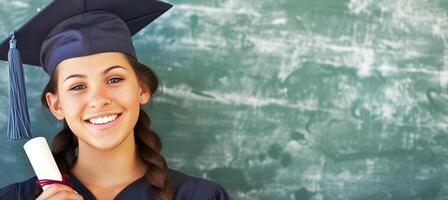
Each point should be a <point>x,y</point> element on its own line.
<point>99,98</point>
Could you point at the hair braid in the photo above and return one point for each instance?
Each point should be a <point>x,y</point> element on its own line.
<point>149,146</point>
<point>63,149</point>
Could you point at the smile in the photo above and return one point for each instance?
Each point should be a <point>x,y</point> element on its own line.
<point>101,123</point>
<point>103,120</point>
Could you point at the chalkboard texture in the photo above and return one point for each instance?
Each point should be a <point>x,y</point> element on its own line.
<point>286,99</point>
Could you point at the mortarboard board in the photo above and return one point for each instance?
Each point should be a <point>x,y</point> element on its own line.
<point>66,29</point>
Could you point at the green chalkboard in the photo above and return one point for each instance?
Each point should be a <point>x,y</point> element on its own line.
<point>287,99</point>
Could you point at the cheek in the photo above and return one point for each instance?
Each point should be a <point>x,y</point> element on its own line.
<point>127,97</point>
<point>72,107</point>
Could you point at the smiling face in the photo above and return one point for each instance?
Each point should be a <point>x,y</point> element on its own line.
<point>99,96</point>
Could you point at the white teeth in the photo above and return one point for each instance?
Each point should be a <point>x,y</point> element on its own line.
<point>103,120</point>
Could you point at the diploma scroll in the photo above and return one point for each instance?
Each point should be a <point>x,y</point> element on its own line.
<point>42,160</point>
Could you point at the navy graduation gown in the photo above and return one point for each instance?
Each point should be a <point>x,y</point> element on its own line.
<point>185,188</point>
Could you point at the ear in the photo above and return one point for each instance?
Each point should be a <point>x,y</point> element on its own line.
<point>144,94</point>
<point>55,105</point>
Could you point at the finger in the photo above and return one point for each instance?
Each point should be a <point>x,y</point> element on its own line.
<point>54,189</point>
<point>66,195</point>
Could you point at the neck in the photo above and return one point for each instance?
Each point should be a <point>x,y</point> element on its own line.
<point>107,168</point>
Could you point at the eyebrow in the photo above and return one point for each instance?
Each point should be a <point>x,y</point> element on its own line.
<point>104,72</point>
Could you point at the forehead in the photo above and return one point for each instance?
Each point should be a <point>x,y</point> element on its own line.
<point>91,63</point>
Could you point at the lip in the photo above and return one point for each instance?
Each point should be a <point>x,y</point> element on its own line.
<point>106,125</point>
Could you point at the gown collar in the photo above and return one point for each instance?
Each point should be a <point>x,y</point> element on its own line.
<point>139,189</point>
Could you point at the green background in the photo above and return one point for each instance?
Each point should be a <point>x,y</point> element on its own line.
<point>286,99</point>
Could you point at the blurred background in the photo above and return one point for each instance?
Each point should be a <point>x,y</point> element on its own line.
<point>286,99</point>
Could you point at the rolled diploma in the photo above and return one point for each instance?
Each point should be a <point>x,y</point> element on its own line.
<point>42,160</point>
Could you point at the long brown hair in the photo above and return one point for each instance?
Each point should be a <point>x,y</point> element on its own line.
<point>147,141</point>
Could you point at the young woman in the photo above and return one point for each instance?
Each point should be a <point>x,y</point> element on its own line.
<point>97,87</point>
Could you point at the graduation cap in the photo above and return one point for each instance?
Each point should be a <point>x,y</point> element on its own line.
<point>66,29</point>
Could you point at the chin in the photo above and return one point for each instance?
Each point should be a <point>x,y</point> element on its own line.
<point>106,139</point>
<point>105,143</point>
<point>105,146</point>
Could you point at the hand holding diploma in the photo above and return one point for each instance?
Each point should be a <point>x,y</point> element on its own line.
<point>47,171</point>
<point>42,160</point>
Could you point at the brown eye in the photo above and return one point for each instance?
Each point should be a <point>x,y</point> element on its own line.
<point>115,80</point>
<point>78,87</point>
